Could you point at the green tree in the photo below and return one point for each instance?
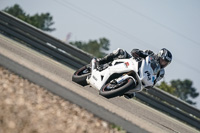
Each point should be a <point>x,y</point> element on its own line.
<point>184,90</point>
<point>94,47</point>
<point>42,21</point>
<point>168,88</point>
<point>181,89</point>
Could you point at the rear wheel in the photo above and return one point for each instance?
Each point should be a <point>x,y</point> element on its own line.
<point>117,89</point>
<point>81,74</point>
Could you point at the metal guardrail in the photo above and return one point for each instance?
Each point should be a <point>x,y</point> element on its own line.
<point>179,104</point>
<point>76,58</point>
<point>40,40</point>
<point>167,108</point>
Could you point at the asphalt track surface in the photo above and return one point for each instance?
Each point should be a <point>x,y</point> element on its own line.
<point>131,114</point>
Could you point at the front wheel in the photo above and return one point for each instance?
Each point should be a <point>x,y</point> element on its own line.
<point>80,75</point>
<point>111,89</point>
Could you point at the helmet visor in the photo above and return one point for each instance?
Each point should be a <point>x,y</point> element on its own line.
<point>163,63</point>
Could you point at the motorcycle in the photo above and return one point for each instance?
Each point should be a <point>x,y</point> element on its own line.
<point>119,77</point>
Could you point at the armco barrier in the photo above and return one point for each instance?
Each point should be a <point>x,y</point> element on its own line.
<point>76,58</point>
<point>170,110</point>
<point>42,41</point>
<point>162,95</point>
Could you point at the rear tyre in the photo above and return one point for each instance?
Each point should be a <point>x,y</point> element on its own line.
<point>111,90</point>
<point>81,74</point>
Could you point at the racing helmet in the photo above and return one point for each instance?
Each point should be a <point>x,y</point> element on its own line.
<point>164,57</point>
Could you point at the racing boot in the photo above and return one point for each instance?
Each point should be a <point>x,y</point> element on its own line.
<point>104,60</point>
<point>119,53</point>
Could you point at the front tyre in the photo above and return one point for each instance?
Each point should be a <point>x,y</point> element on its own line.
<point>111,90</point>
<point>81,74</point>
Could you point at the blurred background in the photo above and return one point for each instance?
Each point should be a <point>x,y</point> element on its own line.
<point>99,27</point>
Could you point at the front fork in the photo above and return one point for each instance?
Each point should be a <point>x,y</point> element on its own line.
<point>124,77</point>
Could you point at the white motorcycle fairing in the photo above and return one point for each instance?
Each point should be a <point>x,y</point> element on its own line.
<point>144,74</point>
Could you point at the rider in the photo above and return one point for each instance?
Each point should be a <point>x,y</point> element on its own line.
<point>163,57</point>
